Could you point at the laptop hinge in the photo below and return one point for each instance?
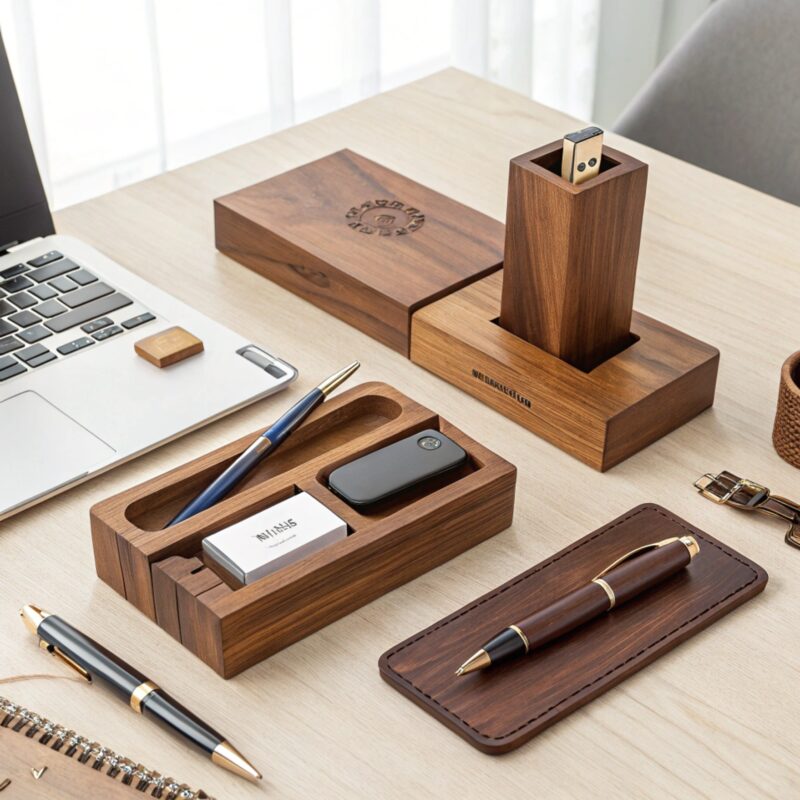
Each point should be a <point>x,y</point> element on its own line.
<point>12,247</point>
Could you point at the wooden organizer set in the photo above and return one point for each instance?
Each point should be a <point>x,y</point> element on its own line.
<point>162,571</point>
<point>534,318</point>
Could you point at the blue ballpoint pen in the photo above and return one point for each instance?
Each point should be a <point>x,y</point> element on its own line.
<point>274,436</point>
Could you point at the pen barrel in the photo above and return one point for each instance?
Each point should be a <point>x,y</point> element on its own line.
<point>564,615</point>
<point>647,570</point>
<point>625,581</point>
<point>172,715</point>
<point>289,421</point>
<point>90,655</point>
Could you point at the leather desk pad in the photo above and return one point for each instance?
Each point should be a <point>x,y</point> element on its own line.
<point>501,708</point>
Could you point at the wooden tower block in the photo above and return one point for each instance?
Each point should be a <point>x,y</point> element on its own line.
<point>570,255</point>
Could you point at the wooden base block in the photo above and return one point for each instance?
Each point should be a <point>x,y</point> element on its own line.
<point>662,380</point>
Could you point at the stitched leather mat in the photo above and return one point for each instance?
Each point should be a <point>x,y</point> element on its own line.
<point>500,708</point>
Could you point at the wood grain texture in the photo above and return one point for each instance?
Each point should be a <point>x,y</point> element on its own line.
<point>168,347</point>
<point>601,417</point>
<point>704,722</point>
<point>232,627</point>
<point>501,708</point>
<point>360,241</point>
<point>570,255</point>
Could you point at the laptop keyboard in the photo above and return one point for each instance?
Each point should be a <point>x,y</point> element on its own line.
<point>51,295</point>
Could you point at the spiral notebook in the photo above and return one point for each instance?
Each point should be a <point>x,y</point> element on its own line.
<point>42,759</point>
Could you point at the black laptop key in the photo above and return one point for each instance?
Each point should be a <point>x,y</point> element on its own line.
<point>16,284</point>
<point>91,327</point>
<point>43,292</point>
<point>50,308</point>
<point>107,333</point>
<point>8,344</point>
<point>10,272</point>
<point>7,361</point>
<point>75,345</point>
<point>53,255</point>
<point>83,277</point>
<point>86,295</point>
<point>97,308</point>
<point>6,308</point>
<point>63,284</point>
<point>53,270</point>
<point>6,327</point>
<point>12,371</point>
<point>32,352</point>
<point>22,300</point>
<point>44,358</point>
<point>25,319</point>
<point>34,334</point>
<point>134,322</point>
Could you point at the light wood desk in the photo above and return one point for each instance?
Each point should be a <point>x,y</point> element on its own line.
<point>717,717</point>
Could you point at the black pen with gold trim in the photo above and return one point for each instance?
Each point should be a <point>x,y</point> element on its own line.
<point>91,660</point>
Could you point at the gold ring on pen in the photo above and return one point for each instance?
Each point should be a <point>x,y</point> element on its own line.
<point>608,590</point>
<point>139,693</point>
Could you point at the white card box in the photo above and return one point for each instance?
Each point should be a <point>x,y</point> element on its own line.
<point>272,538</point>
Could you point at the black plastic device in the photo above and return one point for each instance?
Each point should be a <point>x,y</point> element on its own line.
<point>383,473</point>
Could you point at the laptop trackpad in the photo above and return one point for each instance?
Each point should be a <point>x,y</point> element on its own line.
<point>42,449</point>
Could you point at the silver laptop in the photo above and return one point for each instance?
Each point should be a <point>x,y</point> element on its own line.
<point>75,398</point>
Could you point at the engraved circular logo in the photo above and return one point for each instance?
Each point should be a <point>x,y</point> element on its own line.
<point>385,218</point>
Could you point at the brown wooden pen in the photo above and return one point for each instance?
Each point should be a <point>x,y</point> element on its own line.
<point>626,578</point>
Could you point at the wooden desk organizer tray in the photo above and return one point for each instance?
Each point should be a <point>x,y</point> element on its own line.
<point>504,706</point>
<point>164,574</point>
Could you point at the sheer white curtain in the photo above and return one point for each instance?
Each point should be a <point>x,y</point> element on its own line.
<point>117,90</point>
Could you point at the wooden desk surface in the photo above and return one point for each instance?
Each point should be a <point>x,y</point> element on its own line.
<point>719,716</point>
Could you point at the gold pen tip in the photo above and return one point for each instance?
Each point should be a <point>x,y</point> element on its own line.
<point>338,378</point>
<point>32,616</point>
<point>479,660</point>
<point>225,755</point>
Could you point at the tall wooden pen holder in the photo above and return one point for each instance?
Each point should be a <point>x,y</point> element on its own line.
<point>570,257</point>
<point>552,341</point>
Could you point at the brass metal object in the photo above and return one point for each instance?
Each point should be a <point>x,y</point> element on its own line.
<point>612,598</point>
<point>726,488</point>
<point>522,636</point>
<point>338,378</point>
<point>228,757</point>
<point>582,154</point>
<point>140,693</point>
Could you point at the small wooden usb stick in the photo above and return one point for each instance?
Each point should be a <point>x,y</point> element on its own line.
<point>168,347</point>
<point>582,154</point>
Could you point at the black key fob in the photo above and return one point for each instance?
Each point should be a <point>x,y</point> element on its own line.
<point>379,475</point>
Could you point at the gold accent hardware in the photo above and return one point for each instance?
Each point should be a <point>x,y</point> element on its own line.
<point>612,598</point>
<point>522,636</point>
<point>227,756</point>
<point>65,659</point>
<point>139,693</point>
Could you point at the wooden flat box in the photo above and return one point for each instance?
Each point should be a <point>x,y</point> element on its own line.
<point>162,571</point>
<point>603,416</point>
<point>364,243</point>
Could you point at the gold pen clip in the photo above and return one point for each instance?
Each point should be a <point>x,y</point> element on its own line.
<point>691,545</point>
<point>54,651</point>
